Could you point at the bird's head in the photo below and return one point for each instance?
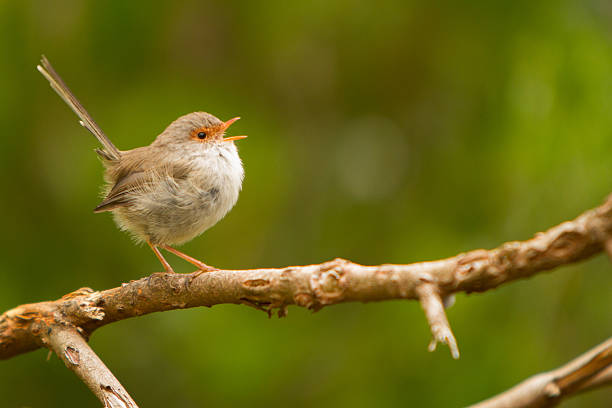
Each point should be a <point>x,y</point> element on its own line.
<point>198,127</point>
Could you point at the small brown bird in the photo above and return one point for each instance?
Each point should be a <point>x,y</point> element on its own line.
<point>172,190</point>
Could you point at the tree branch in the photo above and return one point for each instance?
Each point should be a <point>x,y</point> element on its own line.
<point>590,370</point>
<point>314,286</point>
<point>433,306</point>
<point>72,348</point>
<point>433,283</point>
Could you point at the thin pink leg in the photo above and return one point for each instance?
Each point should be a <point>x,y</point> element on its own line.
<point>199,264</point>
<point>161,258</point>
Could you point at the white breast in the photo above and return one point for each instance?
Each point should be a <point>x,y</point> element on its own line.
<point>212,190</point>
<point>179,209</point>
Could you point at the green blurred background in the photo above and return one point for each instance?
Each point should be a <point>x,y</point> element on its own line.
<point>387,131</point>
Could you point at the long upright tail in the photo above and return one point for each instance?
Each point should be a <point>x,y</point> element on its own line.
<point>110,152</point>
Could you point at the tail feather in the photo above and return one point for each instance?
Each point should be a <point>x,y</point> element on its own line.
<point>58,85</point>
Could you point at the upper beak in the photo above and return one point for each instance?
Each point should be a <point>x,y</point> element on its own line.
<point>228,124</point>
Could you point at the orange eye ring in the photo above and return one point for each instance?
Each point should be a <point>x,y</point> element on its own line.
<point>200,134</point>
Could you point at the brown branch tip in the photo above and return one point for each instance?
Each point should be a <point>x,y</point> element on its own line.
<point>590,370</point>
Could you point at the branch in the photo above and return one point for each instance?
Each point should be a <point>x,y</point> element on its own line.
<point>590,370</point>
<point>433,306</point>
<point>72,348</point>
<point>315,286</point>
<point>433,283</point>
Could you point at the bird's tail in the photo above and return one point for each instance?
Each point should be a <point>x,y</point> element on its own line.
<point>110,152</point>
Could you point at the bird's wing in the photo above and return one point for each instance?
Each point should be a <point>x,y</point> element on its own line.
<point>119,195</point>
<point>140,180</point>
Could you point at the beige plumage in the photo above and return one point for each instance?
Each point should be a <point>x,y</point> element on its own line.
<point>172,190</point>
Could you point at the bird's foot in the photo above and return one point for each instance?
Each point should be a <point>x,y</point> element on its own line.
<point>202,267</point>
<point>201,271</point>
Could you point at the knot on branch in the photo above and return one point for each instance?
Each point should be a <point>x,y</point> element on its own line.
<point>328,283</point>
<point>82,308</point>
<point>256,283</point>
<point>116,397</point>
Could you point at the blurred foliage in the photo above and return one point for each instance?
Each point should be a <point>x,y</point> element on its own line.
<point>387,131</point>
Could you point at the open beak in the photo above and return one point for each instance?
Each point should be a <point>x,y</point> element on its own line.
<point>228,124</point>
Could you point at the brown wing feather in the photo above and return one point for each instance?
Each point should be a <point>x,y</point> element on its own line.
<point>118,196</point>
<point>138,178</point>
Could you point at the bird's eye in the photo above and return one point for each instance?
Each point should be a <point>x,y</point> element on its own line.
<point>202,135</point>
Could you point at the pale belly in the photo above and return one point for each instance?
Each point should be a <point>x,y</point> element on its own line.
<point>170,216</point>
<point>176,211</point>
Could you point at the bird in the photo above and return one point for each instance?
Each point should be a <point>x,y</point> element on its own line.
<point>174,189</point>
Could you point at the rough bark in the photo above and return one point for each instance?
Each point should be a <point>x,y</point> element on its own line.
<point>433,283</point>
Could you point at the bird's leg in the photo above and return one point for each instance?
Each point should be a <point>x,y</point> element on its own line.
<point>199,264</point>
<point>161,258</point>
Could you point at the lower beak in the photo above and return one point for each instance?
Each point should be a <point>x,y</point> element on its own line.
<point>228,124</point>
<point>229,139</point>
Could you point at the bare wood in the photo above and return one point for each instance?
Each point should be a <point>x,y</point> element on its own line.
<point>433,306</point>
<point>311,286</point>
<point>601,379</point>
<point>71,347</point>
<point>590,370</point>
